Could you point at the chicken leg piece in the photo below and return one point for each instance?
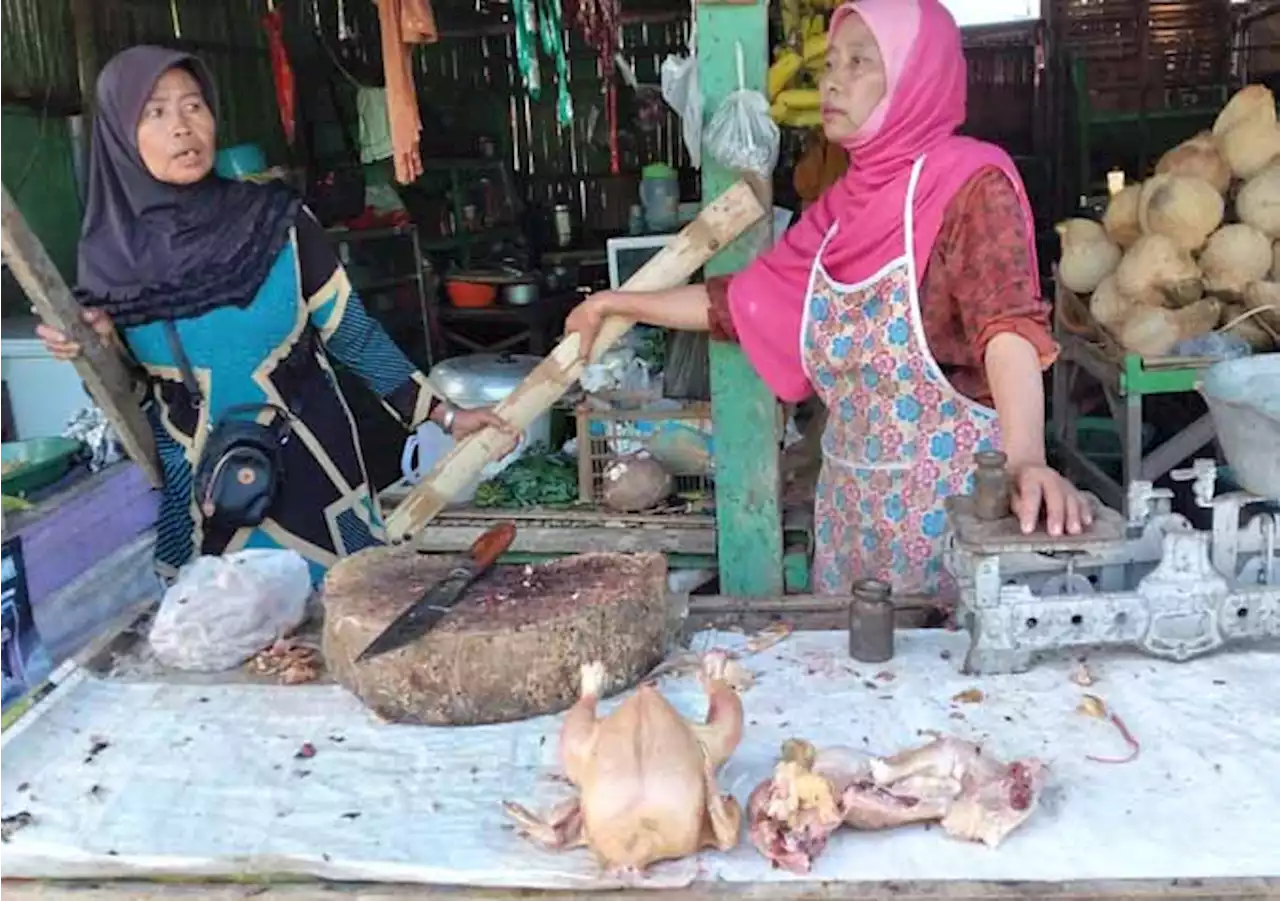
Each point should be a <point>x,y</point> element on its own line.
<point>578,734</point>
<point>722,731</point>
<point>561,830</point>
<point>724,813</point>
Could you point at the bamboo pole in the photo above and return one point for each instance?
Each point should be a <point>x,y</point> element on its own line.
<point>102,368</point>
<point>729,216</point>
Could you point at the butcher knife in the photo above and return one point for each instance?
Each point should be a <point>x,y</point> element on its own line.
<point>423,615</point>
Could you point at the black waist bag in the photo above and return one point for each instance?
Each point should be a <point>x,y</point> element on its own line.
<point>241,468</point>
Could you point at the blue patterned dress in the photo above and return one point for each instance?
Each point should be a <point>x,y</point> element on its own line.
<point>278,350</point>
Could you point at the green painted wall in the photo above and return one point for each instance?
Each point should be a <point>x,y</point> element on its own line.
<point>744,410</point>
<point>39,173</point>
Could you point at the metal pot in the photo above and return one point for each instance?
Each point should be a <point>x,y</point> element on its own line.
<point>482,380</point>
<point>520,294</point>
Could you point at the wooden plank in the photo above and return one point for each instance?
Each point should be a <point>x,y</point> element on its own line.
<point>732,213</point>
<point>101,367</point>
<point>575,517</point>
<point>578,516</point>
<point>744,411</point>
<point>1222,889</point>
<point>440,537</point>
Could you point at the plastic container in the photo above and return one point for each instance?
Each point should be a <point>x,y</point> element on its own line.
<point>470,295</point>
<point>1243,397</point>
<point>660,197</point>
<point>239,161</point>
<point>36,463</point>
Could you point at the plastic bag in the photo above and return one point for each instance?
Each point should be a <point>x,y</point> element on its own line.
<point>222,610</point>
<point>1215,345</point>
<point>741,134</point>
<point>680,90</point>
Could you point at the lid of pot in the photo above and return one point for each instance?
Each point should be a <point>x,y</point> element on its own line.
<point>481,380</point>
<point>658,171</point>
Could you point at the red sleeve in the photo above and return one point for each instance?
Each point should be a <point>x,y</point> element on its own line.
<point>992,282</point>
<point>722,328</point>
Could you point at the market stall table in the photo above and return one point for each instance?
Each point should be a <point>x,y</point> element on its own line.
<point>147,779</point>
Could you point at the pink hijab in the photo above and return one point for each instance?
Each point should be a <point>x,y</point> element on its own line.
<point>924,104</point>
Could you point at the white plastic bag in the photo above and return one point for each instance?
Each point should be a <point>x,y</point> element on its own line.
<point>222,610</point>
<point>680,90</point>
<point>741,135</point>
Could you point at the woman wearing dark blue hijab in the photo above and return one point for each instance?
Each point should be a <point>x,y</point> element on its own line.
<point>227,294</point>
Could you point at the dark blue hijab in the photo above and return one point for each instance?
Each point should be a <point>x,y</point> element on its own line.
<point>150,250</point>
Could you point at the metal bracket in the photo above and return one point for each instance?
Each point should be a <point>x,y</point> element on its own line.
<point>1199,590</point>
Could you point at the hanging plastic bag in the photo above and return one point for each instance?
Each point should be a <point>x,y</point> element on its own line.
<point>741,134</point>
<point>220,611</point>
<point>680,90</point>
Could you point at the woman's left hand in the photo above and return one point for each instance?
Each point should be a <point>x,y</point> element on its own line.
<point>1036,487</point>
<point>466,422</point>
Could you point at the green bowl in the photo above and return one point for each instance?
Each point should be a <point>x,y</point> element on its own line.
<point>43,461</point>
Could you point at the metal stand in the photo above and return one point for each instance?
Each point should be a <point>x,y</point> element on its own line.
<point>1125,387</point>
<point>1153,583</point>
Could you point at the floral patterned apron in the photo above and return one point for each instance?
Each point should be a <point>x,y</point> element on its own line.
<point>899,440</point>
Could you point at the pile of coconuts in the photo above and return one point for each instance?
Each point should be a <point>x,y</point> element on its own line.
<point>1195,247</point>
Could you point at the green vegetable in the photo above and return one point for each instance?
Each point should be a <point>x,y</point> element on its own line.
<point>540,478</point>
<point>15,504</point>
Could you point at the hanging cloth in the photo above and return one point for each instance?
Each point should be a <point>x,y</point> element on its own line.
<point>404,23</point>
<point>281,73</point>
<point>375,128</point>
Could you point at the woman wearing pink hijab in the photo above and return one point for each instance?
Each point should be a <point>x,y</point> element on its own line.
<point>907,297</point>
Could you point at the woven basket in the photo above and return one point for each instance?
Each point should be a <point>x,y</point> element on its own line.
<point>1075,318</point>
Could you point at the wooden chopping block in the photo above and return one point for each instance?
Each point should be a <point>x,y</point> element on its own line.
<point>731,214</point>
<point>510,649</point>
<point>101,368</point>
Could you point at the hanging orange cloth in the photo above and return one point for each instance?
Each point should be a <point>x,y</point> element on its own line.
<point>821,166</point>
<point>404,23</point>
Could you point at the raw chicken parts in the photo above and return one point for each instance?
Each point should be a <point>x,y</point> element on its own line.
<point>646,777</point>
<point>971,794</point>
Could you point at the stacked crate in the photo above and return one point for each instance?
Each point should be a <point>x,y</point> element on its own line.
<point>1146,53</point>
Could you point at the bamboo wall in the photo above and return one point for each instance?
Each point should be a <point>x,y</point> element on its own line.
<point>468,82</point>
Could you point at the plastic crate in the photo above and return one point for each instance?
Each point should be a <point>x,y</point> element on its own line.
<point>679,438</point>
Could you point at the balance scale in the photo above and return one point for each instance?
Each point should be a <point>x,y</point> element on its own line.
<point>1152,582</point>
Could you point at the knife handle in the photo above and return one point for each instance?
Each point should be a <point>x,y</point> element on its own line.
<point>493,544</point>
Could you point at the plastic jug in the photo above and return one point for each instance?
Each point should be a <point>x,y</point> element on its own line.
<point>429,444</point>
<point>660,197</point>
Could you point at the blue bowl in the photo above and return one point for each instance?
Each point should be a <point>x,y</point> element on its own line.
<point>239,161</point>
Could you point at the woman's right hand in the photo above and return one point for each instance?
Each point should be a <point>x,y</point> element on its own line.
<point>62,347</point>
<point>585,320</point>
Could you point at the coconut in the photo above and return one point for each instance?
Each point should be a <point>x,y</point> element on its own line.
<point>1183,208</point>
<point>1249,147</point>
<point>1235,256</point>
<point>1252,103</point>
<point>1121,219</point>
<point>1111,307</point>
<point>1197,158</point>
<point>1254,333</point>
<point>1265,295</point>
<point>1155,262</point>
<point>1258,202</point>
<point>1153,332</point>
<point>1087,256</point>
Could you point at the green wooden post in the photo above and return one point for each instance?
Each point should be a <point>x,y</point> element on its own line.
<point>744,411</point>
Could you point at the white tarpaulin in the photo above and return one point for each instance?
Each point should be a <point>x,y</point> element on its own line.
<point>144,779</point>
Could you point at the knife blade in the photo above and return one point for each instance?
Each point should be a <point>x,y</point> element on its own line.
<point>423,615</point>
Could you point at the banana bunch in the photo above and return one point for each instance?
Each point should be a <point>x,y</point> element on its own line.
<point>792,95</point>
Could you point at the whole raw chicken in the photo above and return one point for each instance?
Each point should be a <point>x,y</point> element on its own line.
<point>646,776</point>
<point>971,794</point>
